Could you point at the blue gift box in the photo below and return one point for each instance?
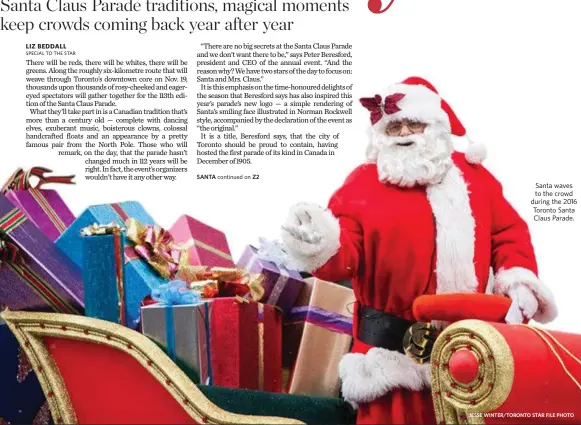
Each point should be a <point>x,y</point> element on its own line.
<point>71,242</point>
<point>22,400</point>
<point>116,280</point>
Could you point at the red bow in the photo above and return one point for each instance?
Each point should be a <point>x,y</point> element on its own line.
<point>374,105</point>
<point>20,179</point>
<point>9,252</point>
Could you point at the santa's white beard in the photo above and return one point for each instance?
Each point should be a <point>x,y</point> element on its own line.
<point>425,162</point>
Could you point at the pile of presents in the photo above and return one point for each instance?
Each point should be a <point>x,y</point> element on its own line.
<point>250,324</point>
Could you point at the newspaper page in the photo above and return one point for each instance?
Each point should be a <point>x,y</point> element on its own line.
<point>401,148</point>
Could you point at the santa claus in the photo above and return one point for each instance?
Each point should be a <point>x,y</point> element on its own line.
<point>418,218</point>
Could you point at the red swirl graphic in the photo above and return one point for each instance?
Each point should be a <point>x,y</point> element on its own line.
<point>375,6</point>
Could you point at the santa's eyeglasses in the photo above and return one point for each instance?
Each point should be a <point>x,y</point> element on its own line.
<point>395,128</point>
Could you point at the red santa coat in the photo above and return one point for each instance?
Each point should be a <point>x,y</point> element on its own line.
<point>399,243</point>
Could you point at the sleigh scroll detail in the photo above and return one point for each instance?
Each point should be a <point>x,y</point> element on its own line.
<point>499,373</point>
<point>93,371</point>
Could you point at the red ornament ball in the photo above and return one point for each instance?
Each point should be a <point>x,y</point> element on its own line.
<point>463,366</point>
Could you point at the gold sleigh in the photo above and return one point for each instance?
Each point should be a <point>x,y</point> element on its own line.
<point>83,363</point>
<point>86,366</point>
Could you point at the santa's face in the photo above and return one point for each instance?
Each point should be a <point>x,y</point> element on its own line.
<point>412,159</point>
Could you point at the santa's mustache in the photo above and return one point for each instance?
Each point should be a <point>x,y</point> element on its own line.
<point>416,141</point>
<point>413,159</point>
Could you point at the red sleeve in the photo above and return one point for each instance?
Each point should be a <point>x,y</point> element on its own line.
<point>345,263</point>
<point>511,240</point>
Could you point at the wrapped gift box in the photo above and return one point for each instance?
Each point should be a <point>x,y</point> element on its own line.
<point>222,342</point>
<point>205,245</point>
<point>281,286</point>
<point>316,335</point>
<point>177,330</point>
<point>71,242</point>
<point>116,279</point>
<point>243,342</point>
<point>35,274</point>
<point>22,400</point>
<point>44,207</point>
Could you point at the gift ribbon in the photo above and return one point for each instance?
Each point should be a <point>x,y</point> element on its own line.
<point>260,347</point>
<point>279,286</point>
<point>280,283</point>
<point>20,180</point>
<point>118,209</point>
<point>120,279</point>
<point>129,251</point>
<point>12,258</point>
<point>260,317</point>
<point>12,220</point>
<point>102,229</point>
<point>225,282</point>
<point>253,259</point>
<point>206,318</point>
<point>320,317</point>
<point>317,316</point>
<point>175,293</point>
<point>116,231</point>
<point>170,333</point>
<point>8,252</point>
<point>191,242</point>
<point>156,246</point>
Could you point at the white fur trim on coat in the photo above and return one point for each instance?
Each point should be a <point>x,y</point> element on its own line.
<point>455,234</point>
<point>367,377</point>
<point>305,256</point>
<point>419,104</point>
<point>506,279</point>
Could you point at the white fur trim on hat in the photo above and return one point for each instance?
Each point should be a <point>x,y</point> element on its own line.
<point>475,152</point>
<point>419,104</point>
<point>367,377</point>
<point>506,279</point>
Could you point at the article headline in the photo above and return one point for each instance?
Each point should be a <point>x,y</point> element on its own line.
<point>155,22</point>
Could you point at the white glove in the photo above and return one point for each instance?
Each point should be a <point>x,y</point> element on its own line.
<point>524,304</point>
<point>301,231</point>
<point>440,324</point>
<point>310,235</point>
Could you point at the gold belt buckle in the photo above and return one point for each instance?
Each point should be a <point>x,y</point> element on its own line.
<point>419,340</point>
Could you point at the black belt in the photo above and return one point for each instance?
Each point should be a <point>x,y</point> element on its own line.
<point>386,330</point>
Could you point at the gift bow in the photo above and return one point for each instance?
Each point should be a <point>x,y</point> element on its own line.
<point>374,105</point>
<point>102,229</point>
<point>225,282</point>
<point>9,252</point>
<point>175,293</point>
<point>20,179</point>
<point>156,246</point>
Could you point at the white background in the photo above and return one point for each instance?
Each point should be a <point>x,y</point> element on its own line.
<point>510,70</point>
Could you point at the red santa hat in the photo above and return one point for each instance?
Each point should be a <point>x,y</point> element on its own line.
<point>416,99</point>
